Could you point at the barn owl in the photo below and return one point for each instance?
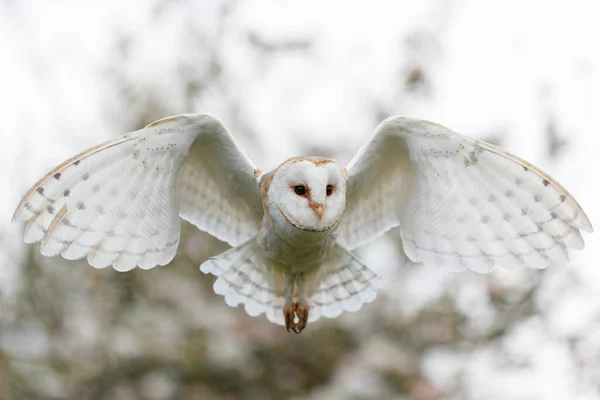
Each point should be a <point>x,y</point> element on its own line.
<point>458,202</point>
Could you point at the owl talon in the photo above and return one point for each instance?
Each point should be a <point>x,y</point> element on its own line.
<point>302,313</point>
<point>289,315</point>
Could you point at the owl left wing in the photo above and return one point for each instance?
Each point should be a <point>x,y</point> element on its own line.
<point>459,202</point>
<point>119,203</point>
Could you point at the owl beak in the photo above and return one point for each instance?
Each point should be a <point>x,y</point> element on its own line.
<point>317,209</point>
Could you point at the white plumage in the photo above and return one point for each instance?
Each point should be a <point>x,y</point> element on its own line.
<point>460,203</point>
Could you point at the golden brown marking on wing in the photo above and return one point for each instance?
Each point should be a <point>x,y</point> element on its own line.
<point>162,121</point>
<point>257,173</point>
<point>55,223</point>
<point>71,161</point>
<point>29,223</point>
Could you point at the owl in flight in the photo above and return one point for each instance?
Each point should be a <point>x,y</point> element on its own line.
<point>459,203</point>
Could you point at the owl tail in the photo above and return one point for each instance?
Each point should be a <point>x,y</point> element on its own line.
<point>246,276</point>
<point>343,283</point>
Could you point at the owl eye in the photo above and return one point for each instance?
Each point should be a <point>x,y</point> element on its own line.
<point>300,190</point>
<point>329,190</point>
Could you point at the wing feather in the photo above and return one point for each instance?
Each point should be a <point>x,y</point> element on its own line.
<point>459,202</point>
<point>118,203</point>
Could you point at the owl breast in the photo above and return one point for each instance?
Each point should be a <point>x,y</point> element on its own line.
<point>297,249</point>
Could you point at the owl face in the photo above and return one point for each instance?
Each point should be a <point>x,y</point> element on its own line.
<point>309,192</point>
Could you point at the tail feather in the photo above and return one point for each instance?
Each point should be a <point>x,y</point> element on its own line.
<point>245,276</point>
<point>343,283</point>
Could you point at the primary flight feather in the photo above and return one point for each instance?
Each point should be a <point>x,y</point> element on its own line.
<point>459,203</point>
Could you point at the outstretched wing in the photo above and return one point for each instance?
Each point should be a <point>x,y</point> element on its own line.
<point>119,203</point>
<point>459,202</point>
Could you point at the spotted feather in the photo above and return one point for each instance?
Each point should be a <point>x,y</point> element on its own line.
<point>119,203</point>
<point>459,202</point>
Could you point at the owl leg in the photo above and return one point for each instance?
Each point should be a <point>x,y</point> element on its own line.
<point>301,306</point>
<point>295,309</point>
<point>289,311</point>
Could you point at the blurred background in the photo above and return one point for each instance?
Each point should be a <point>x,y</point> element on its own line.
<point>298,78</point>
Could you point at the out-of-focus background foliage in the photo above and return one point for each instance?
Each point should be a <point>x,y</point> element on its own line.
<point>297,78</point>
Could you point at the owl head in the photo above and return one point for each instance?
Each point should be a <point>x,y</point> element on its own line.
<point>308,192</point>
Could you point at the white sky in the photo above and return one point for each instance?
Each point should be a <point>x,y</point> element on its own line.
<point>495,61</point>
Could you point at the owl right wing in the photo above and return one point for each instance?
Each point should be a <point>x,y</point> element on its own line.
<point>459,202</point>
<point>119,203</point>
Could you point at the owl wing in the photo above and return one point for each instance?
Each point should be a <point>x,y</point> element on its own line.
<point>459,202</point>
<point>119,203</point>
